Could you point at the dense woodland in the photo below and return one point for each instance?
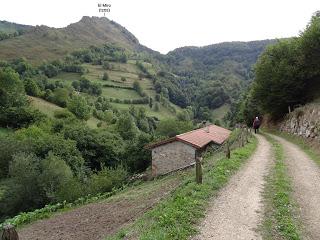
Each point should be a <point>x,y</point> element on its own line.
<point>286,75</point>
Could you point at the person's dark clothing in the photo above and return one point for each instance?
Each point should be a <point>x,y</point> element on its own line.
<point>256,125</point>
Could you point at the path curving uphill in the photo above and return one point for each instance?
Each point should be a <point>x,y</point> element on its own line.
<point>305,175</point>
<point>236,212</point>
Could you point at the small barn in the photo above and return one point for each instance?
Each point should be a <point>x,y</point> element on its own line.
<point>181,151</point>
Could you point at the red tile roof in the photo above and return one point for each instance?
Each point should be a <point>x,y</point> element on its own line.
<point>200,137</point>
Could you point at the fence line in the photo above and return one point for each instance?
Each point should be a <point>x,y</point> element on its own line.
<point>239,141</point>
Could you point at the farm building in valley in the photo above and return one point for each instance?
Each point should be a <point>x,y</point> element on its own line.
<point>181,151</point>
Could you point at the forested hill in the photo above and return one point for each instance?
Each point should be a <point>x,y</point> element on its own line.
<point>211,76</point>
<point>190,60</point>
<point>286,76</point>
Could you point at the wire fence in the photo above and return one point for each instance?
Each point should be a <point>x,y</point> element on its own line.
<point>239,137</point>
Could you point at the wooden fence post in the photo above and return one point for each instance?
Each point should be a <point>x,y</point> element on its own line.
<point>228,151</point>
<point>9,233</point>
<point>198,170</point>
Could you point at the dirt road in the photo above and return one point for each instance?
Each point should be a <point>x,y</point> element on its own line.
<point>305,176</point>
<point>236,212</point>
<point>97,220</point>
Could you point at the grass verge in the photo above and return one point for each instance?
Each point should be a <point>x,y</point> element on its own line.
<point>311,149</point>
<point>176,217</point>
<point>280,220</point>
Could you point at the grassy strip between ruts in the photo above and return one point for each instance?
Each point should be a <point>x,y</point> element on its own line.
<point>280,220</point>
<point>177,216</point>
<point>302,143</point>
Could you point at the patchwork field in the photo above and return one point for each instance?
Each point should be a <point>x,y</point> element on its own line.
<point>121,76</point>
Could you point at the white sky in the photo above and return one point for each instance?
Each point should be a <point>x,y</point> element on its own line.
<point>167,24</point>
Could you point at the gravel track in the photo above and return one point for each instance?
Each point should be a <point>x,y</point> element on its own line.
<point>305,175</point>
<point>236,212</point>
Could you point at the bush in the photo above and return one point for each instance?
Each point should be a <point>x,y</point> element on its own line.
<point>19,117</point>
<point>63,114</point>
<point>106,179</point>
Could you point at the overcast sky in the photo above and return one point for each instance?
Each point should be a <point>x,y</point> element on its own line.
<point>167,24</point>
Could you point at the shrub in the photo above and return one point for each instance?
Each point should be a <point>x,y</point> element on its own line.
<point>106,179</point>
<point>63,114</point>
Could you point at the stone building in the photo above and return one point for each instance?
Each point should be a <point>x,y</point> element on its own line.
<point>180,151</point>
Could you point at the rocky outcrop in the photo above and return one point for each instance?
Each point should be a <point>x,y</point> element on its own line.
<point>303,121</point>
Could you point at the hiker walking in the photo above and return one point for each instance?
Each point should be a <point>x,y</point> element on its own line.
<point>256,124</point>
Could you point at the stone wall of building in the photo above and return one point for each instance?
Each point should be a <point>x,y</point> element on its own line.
<point>303,121</point>
<point>172,156</point>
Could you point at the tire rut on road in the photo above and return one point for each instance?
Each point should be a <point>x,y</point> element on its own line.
<point>237,210</point>
<point>305,175</point>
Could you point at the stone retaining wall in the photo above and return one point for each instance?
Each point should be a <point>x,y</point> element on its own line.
<point>303,121</point>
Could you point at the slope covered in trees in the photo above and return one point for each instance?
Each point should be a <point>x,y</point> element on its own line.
<point>286,75</point>
<point>209,77</point>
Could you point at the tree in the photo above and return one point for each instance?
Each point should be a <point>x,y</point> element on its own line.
<point>79,107</point>
<point>24,171</point>
<point>106,65</point>
<point>32,87</point>
<point>12,93</point>
<point>76,85</point>
<point>54,176</point>
<point>279,80</point>
<point>105,76</point>
<point>126,126</point>
<point>99,149</point>
<point>157,107</point>
<point>137,87</point>
<point>171,127</point>
<point>60,96</point>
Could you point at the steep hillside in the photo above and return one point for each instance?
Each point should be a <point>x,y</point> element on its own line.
<point>210,58</point>
<point>45,43</point>
<point>210,77</point>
